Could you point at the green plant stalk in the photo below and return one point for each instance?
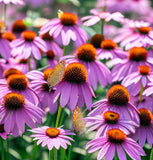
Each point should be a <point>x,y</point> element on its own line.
<point>4,16</point>
<point>141,91</point>
<point>58,116</point>
<point>62,154</point>
<point>50,155</point>
<point>55,154</point>
<point>29,65</point>
<point>151,154</point>
<point>35,151</point>
<point>7,149</point>
<point>102,28</point>
<point>2,149</point>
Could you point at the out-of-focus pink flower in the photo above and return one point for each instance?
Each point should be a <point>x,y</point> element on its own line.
<point>16,2</point>
<point>97,16</point>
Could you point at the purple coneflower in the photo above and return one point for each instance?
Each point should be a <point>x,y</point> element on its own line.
<point>52,137</point>
<point>16,110</point>
<point>51,58</point>
<point>109,120</point>
<point>117,101</point>
<point>97,71</point>
<point>143,38</point>
<point>29,44</point>
<point>65,28</point>
<point>2,132</point>
<point>137,56</point>
<point>40,85</point>
<point>5,47</point>
<point>16,2</point>
<point>115,141</point>
<point>136,80</point>
<point>19,63</point>
<point>143,102</point>
<point>73,88</point>
<point>51,45</point>
<point>97,16</point>
<point>20,84</point>
<point>109,50</point>
<point>144,132</point>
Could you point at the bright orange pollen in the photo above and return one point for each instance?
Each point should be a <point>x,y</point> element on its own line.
<point>18,26</point>
<point>14,101</point>
<point>9,36</point>
<point>111,117</point>
<point>96,40</point>
<point>144,70</point>
<point>50,54</point>
<point>75,73</point>
<point>47,37</point>
<point>118,95</point>
<point>145,117</point>
<point>87,52</point>
<point>68,19</point>
<point>138,54</point>
<point>52,132</point>
<point>116,136</point>
<point>28,35</point>
<point>2,128</point>
<point>144,30</point>
<point>47,73</point>
<point>108,44</point>
<point>17,82</point>
<point>11,71</point>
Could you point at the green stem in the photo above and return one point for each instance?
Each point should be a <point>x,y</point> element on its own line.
<point>4,16</point>
<point>2,149</point>
<point>141,91</point>
<point>151,155</point>
<point>55,153</point>
<point>50,155</point>
<point>102,28</point>
<point>35,151</point>
<point>70,150</point>
<point>58,116</point>
<point>62,154</point>
<point>29,64</point>
<point>64,50</point>
<point>62,118</point>
<point>104,7</point>
<point>7,149</point>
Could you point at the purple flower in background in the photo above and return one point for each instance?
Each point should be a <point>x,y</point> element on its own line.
<point>73,88</point>
<point>97,16</point>
<point>52,137</point>
<point>137,56</point>
<point>97,71</point>
<point>51,45</point>
<point>16,110</point>
<point>124,6</point>
<point>144,132</point>
<point>38,3</point>
<point>109,120</point>
<point>144,102</point>
<point>16,2</point>
<point>115,141</point>
<point>29,44</point>
<point>5,48</point>
<point>134,80</point>
<point>117,101</point>
<point>142,38</point>
<point>109,50</point>
<point>64,29</point>
<point>40,85</point>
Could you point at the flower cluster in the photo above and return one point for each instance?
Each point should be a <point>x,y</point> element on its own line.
<point>53,69</point>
